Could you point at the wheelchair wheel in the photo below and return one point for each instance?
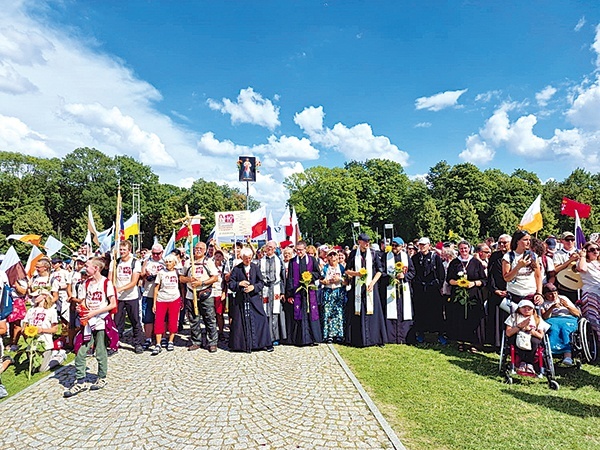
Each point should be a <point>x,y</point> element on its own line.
<point>589,345</point>
<point>502,362</point>
<point>553,384</point>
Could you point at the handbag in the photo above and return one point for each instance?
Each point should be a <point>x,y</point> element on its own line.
<point>523,340</point>
<point>6,303</point>
<point>204,295</point>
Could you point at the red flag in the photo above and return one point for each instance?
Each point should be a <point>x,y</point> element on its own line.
<point>258,219</point>
<point>568,208</point>
<point>183,231</point>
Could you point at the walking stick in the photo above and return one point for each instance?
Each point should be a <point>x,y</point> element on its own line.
<point>187,221</point>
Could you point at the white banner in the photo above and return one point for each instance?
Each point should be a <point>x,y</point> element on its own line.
<point>233,223</point>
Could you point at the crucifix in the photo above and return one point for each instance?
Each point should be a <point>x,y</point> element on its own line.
<point>187,221</point>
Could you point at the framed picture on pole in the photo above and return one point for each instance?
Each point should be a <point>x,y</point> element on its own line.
<point>247,168</point>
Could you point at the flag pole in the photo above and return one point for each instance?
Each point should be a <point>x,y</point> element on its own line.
<point>117,235</point>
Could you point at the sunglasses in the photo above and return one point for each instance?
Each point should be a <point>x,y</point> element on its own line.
<point>156,253</point>
<point>593,250</point>
<point>570,239</point>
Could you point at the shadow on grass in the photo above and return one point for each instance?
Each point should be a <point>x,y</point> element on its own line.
<point>486,364</point>
<point>563,405</point>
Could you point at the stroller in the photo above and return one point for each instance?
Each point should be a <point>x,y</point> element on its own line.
<point>583,346</point>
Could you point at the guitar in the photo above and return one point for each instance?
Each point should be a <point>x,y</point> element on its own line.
<point>569,278</point>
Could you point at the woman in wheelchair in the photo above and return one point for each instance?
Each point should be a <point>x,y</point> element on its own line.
<point>562,315</point>
<point>525,330</point>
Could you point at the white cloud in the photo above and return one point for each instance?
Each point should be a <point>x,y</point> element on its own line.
<point>110,125</point>
<point>596,45</point>
<point>186,182</point>
<point>15,136</point>
<point>477,152</point>
<point>423,125</point>
<point>544,96</point>
<point>250,107</point>
<point>13,82</point>
<point>486,97</point>
<point>580,24</point>
<point>288,148</point>
<point>356,143</point>
<point>23,46</point>
<point>439,101</point>
<point>209,144</point>
<point>585,110</point>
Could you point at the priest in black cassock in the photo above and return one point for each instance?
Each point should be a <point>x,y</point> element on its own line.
<point>249,328</point>
<point>365,321</point>
<point>306,327</point>
<point>398,304</point>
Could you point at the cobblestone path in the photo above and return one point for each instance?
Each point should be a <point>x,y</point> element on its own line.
<point>293,398</point>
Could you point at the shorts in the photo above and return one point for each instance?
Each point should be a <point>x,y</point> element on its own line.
<point>147,314</point>
<point>219,305</point>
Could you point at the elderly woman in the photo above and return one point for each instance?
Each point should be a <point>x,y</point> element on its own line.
<point>466,276</point>
<point>588,266</point>
<point>333,298</point>
<point>561,314</point>
<point>42,280</point>
<point>522,270</point>
<point>167,302</point>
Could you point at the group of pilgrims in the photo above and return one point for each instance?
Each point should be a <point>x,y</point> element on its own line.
<point>248,299</point>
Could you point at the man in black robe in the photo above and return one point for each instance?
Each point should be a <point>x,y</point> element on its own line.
<point>306,327</point>
<point>397,295</point>
<point>249,328</point>
<point>365,321</point>
<point>427,286</point>
<point>497,292</point>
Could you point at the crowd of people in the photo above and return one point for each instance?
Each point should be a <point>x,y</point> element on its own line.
<point>249,299</point>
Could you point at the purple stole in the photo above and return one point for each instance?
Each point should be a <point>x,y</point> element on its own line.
<point>312,294</point>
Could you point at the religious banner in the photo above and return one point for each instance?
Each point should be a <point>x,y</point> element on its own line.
<point>233,223</point>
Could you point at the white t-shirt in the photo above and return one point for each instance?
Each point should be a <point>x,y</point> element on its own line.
<point>44,318</point>
<point>152,269</point>
<point>524,283</point>
<point>96,298</point>
<point>591,278</point>
<point>62,277</point>
<point>169,286</point>
<point>201,271</point>
<point>514,319</point>
<point>125,270</point>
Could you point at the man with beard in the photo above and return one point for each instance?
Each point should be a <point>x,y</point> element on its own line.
<point>273,292</point>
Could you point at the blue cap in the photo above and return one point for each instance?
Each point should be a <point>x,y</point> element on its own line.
<point>398,240</point>
<point>364,237</point>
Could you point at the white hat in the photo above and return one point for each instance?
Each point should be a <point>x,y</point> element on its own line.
<point>525,303</point>
<point>424,240</point>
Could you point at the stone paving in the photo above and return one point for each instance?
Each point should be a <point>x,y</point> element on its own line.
<point>293,398</point>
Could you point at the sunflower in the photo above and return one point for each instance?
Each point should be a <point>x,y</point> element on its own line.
<point>462,282</point>
<point>362,272</point>
<point>30,331</point>
<point>306,277</point>
<point>388,248</point>
<point>399,266</point>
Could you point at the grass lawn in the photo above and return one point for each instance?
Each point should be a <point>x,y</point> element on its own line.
<point>15,377</point>
<point>437,398</point>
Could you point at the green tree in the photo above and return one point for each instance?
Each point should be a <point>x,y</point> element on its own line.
<point>463,220</point>
<point>502,220</point>
<point>429,222</point>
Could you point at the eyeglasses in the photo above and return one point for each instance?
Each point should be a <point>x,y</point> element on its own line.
<point>570,239</point>
<point>592,249</point>
<point>487,252</point>
<point>503,242</point>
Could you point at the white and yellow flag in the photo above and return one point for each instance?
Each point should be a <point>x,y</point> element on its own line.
<point>532,219</point>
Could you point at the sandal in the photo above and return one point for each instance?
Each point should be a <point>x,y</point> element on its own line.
<point>473,349</point>
<point>461,348</point>
<point>170,347</point>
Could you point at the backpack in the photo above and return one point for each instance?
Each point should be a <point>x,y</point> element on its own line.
<point>6,302</point>
<point>116,308</point>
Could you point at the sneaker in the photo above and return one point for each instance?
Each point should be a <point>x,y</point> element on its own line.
<point>568,361</point>
<point>139,349</point>
<point>3,391</point>
<point>111,352</point>
<point>442,339</point>
<point>420,338</point>
<point>78,387</point>
<point>270,349</point>
<point>212,349</point>
<point>147,344</point>
<point>530,368</point>
<point>170,347</point>
<point>99,384</point>
<point>156,350</point>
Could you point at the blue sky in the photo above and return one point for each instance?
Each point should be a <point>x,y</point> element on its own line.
<point>187,86</point>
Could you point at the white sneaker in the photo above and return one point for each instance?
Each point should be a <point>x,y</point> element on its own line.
<point>99,384</point>
<point>76,389</point>
<point>568,361</point>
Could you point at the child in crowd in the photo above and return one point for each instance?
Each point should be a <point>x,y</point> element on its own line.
<point>525,329</point>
